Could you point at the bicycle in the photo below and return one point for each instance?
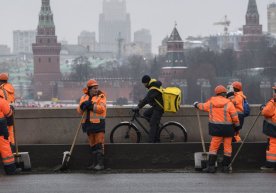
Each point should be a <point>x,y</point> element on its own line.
<point>128,132</point>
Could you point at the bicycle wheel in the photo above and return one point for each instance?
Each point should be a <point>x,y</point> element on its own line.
<point>125,133</point>
<point>172,132</point>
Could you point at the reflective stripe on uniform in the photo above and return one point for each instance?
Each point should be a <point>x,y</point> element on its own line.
<point>227,154</point>
<point>270,121</point>
<point>102,104</point>
<point>95,108</point>
<point>8,163</point>
<point>225,113</point>
<point>7,158</point>
<point>5,93</point>
<point>233,115</point>
<point>223,123</point>
<point>211,111</point>
<point>270,154</point>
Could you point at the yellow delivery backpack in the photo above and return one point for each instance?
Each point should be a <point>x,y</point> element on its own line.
<point>171,98</point>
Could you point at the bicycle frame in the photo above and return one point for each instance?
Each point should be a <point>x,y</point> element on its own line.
<point>135,118</point>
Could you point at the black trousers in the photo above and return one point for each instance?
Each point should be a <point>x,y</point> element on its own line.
<point>153,116</point>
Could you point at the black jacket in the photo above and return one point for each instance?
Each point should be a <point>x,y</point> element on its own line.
<point>151,95</point>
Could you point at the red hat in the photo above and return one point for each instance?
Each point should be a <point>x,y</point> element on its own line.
<point>237,85</point>
<point>220,89</point>
<point>4,76</point>
<point>92,82</point>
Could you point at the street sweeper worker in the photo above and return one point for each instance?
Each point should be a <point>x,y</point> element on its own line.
<point>223,118</point>
<point>5,148</point>
<point>93,103</point>
<point>237,96</point>
<point>153,114</point>
<point>269,129</point>
<point>8,92</point>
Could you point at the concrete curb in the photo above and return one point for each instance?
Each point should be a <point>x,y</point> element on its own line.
<point>140,156</point>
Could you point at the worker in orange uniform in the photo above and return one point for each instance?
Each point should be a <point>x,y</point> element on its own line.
<point>237,97</point>
<point>93,102</point>
<point>8,92</point>
<point>269,129</point>
<point>223,118</point>
<point>5,148</point>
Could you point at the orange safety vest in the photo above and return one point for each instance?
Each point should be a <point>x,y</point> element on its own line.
<point>222,116</point>
<point>99,108</point>
<point>7,91</point>
<point>269,112</point>
<point>5,111</point>
<point>237,100</point>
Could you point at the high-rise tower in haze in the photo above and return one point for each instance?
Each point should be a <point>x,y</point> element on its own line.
<point>46,54</point>
<point>114,25</point>
<point>271,18</point>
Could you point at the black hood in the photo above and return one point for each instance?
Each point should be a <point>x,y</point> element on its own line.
<point>157,84</point>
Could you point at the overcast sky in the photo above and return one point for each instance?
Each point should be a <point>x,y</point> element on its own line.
<point>193,17</point>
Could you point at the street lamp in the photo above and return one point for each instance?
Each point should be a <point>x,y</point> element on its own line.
<point>204,88</point>
<point>265,87</point>
<point>52,84</point>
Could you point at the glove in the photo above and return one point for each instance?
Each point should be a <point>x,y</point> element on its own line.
<point>135,109</point>
<point>86,105</point>
<point>229,94</point>
<point>262,107</point>
<point>195,104</point>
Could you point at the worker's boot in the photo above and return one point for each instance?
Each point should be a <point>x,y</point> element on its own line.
<point>11,169</point>
<point>100,161</point>
<point>225,164</point>
<point>268,167</point>
<point>94,161</point>
<point>211,166</point>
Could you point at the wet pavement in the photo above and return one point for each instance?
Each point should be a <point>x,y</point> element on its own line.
<point>138,183</point>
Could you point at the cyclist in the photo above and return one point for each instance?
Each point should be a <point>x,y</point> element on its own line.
<point>153,114</point>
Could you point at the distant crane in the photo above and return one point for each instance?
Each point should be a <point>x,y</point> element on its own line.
<point>226,24</point>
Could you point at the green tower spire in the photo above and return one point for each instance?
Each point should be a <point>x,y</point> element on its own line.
<point>46,15</point>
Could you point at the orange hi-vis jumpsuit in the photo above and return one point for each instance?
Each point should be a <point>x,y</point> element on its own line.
<point>237,100</point>
<point>94,122</point>
<point>7,90</point>
<point>223,118</point>
<point>269,112</point>
<point>5,148</point>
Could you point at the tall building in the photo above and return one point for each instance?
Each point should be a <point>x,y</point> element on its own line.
<point>162,49</point>
<point>4,50</point>
<point>88,40</point>
<point>46,54</point>
<point>175,49</point>
<point>143,39</point>
<point>114,26</point>
<point>252,30</point>
<point>23,40</point>
<point>271,18</point>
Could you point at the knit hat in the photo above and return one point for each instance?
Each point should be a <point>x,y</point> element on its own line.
<point>146,79</point>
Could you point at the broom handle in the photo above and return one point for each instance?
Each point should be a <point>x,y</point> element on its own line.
<point>200,131</point>
<point>14,133</point>
<point>245,139</point>
<point>77,133</point>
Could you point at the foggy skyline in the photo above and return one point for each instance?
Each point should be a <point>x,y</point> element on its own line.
<point>193,17</point>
